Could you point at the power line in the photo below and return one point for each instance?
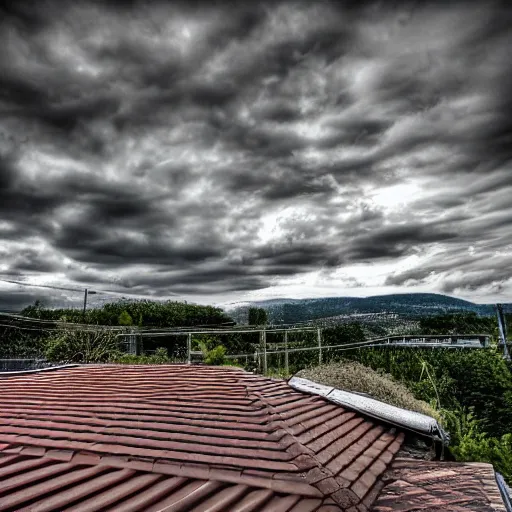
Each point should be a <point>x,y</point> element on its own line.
<point>42,286</point>
<point>106,292</point>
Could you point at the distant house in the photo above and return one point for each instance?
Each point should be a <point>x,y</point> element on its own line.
<point>205,439</point>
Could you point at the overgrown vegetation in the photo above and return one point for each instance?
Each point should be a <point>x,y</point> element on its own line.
<point>468,392</point>
<point>213,352</point>
<point>79,346</point>
<point>353,376</point>
<point>471,390</point>
<point>17,343</point>
<point>477,380</point>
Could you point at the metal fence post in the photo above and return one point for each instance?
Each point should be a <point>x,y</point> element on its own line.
<point>264,339</point>
<point>189,348</point>
<point>132,342</point>
<point>319,338</point>
<point>286,367</point>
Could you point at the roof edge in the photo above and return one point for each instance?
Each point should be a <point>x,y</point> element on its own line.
<point>410,420</point>
<point>37,370</point>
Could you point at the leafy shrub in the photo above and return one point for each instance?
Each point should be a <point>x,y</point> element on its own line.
<point>473,445</point>
<point>215,355</point>
<point>82,346</point>
<point>204,342</point>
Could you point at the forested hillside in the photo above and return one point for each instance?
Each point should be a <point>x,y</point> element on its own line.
<point>290,311</point>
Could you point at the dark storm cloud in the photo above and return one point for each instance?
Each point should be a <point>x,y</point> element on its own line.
<point>7,172</point>
<point>159,137</point>
<point>395,241</point>
<point>281,183</point>
<point>88,245</point>
<point>294,256</point>
<point>29,260</point>
<point>226,274</point>
<point>357,132</point>
<point>472,282</point>
<point>16,301</point>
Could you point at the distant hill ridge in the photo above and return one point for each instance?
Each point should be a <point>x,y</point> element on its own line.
<point>289,311</point>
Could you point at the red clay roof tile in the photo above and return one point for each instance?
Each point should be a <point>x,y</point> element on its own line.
<point>179,437</point>
<point>453,486</point>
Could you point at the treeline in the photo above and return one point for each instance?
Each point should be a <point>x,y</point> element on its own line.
<point>458,323</point>
<point>143,313</point>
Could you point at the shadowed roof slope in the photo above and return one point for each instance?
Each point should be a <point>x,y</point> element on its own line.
<point>241,433</point>
<point>183,438</point>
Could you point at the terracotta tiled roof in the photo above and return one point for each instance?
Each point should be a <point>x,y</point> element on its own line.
<point>31,483</point>
<point>251,438</point>
<point>184,438</point>
<point>412,485</point>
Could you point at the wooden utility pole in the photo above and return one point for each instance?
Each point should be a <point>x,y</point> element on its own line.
<point>85,301</point>
<point>85,305</point>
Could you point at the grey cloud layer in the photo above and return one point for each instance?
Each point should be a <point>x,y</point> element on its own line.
<point>160,137</point>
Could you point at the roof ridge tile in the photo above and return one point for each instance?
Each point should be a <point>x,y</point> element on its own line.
<point>330,486</point>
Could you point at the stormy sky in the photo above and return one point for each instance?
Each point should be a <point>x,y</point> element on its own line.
<point>226,151</point>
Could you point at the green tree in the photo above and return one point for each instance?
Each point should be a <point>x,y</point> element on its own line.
<point>125,318</point>
<point>257,316</point>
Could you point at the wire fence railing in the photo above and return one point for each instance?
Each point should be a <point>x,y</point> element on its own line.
<point>268,350</point>
<point>265,349</point>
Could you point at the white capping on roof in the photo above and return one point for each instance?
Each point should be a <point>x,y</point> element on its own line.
<point>369,406</point>
<point>309,386</point>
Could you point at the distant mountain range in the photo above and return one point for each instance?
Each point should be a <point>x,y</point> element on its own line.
<point>291,311</point>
